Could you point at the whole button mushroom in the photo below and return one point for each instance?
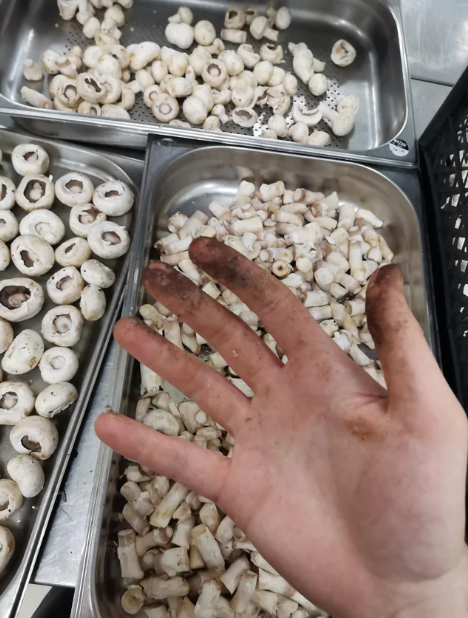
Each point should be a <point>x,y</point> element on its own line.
<point>58,365</point>
<point>93,303</point>
<point>73,252</point>
<point>165,108</point>
<point>16,402</point>
<point>27,472</point>
<point>8,225</point>
<point>65,286</point>
<point>181,35</point>
<point>204,32</point>
<point>96,273</point>
<point>35,436</point>
<point>32,256</point>
<point>109,240</point>
<point>90,87</point>
<point>4,256</point>
<point>34,192</point>
<point>29,159</point>
<point>74,189</point>
<point>6,335</point>
<point>113,198</point>
<point>343,53</point>
<point>24,353</point>
<point>7,193</point>
<point>20,299</point>
<point>55,399</point>
<point>83,217</point>
<point>62,326</point>
<point>11,499</point>
<point>44,224</point>
<point>7,547</point>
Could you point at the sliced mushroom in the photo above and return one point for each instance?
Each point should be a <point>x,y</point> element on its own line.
<point>24,354</point>
<point>74,189</point>
<point>34,192</point>
<point>95,273</point>
<point>65,286</point>
<point>7,193</point>
<point>244,117</point>
<point>165,108</point>
<point>58,365</point>
<point>93,303</point>
<point>35,436</point>
<point>7,547</point>
<point>214,73</point>
<point>4,256</point>
<point>6,335</point>
<point>29,159</point>
<point>27,472</point>
<point>343,53</point>
<point>31,255</point>
<point>11,499</point>
<point>62,326</point>
<point>114,198</point>
<point>82,218</point>
<point>55,399</point>
<point>20,299</point>
<point>195,110</point>
<point>16,402</point>
<point>44,224</point>
<point>73,252</point>
<point>8,225</point>
<point>309,117</point>
<point>89,87</point>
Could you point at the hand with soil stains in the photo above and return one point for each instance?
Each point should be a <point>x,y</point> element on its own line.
<point>354,494</point>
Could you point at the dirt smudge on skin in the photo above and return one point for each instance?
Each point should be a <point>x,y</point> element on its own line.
<point>385,288</point>
<point>365,429</point>
<point>166,284</point>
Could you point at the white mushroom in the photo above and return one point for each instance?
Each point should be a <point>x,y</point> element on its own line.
<point>115,111</point>
<point>95,273</point>
<point>6,335</point>
<point>220,112</point>
<point>205,33</point>
<point>309,117</point>
<point>16,402</point>
<point>4,256</point>
<point>212,123</point>
<point>250,14</point>
<point>198,59</point>
<point>263,72</point>
<point>179,87</point>
<point>319,138</point>
<point>7,193</point>
<point>279,125</point>
<point>108,65</point>
<point>184,15</point>
<point>27,472</point>
<point>278,77</point>
<point>49,61</point>
<point>303,64</point>
<point>234,19</point>
<point>62,326</point>
<point>349,103</point>
<point>44,224</point>
<point>205,93</point>
<point>67,96</point>
<point>318,84</point>
<point>343,53</point>
<point>108,240</point>
<point>214,73</point>
<point>65,286</point>
<point>73,252</point>
<point>92,109</point>
<point>32,71</point>
<point>243,95</point>
<point>29,159</point>
<point>299,132</point>
<point>31,255</point>
<point>271,52</point>
<point>133,600</point>
<point>8,225</point>
<point>55,399</point>
<point>67,9</point>
<point>35,436</point>
<point>244,117</point>
<point>151,94</point>
<point>238,37</point>
<point>116,13</point>
<point>113,198</point>
<point>341,123</point>
<point>112,90</point>
<point>195,110</point>
<point>165,108</point>
<point>258,26</point>
<point>290,84</point>
<point>248,56</point>
<point>7,547</point>
<point>283,18</point>
<point>159,71</point>
<point>35,192</point>
<point>93,303</point>
<point>90,88</point>
<point>82,218</point>
<point>11,499</point>
<point>143,54</point>
<point>58,365</point>
<point>20,299</point>
<point>181,35</point>
<point>24,353</point>
<point>144,78</point>
<point>232,61</point>
<point>91,27</point>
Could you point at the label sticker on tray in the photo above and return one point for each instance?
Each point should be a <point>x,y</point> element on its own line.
<point>399,147</point>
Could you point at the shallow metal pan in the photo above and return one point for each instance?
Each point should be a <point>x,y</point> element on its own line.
<point>189,177</point>
<point>379,76</point>
<point>29,524</point>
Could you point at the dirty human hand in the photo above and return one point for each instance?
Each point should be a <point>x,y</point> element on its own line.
<point>354,494</point>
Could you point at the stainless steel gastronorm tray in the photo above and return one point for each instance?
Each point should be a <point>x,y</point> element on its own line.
<point>379,76</point>
<point>187,177</point>
<point>29,524</point>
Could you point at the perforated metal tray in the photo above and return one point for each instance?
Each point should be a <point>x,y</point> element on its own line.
<point>379,76</point>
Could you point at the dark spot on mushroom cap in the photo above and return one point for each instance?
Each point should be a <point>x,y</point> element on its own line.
<point>62,323</point>
<point>69,248</point>
<point>74,186</point>
<point>3,191</point>
<point>214,70</point>
<point>31,445</point>
<point>62,283</point>
<point>13,296</point>
<point>112,193</point>
<point>35,190</point>
<point>31,156</point>
<point>88,216</point>
<point>111,238</point>
<point>8,400</point>
<point>28,260</point>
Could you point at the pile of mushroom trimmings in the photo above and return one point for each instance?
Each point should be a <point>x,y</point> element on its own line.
<point>203,82</point>
<point>35,438</point>
<point>182,552</point>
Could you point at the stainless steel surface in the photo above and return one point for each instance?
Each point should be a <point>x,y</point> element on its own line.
<point>436,38</point>
<point>427,99</point>
<point>187,178</point>
<point>379,76</point>
<point>29,524</point>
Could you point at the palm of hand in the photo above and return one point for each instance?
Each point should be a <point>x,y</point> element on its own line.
<point>353,493</point>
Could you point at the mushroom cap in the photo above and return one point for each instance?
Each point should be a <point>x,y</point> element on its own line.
<point>8,225</point>
<point>114,198</point>
<point>65,286</point>
<point>62,326</point>
<point>34,192</point>
<point>27,472</point>
<point>24,353</point>
<point>214,73</point>
<point>6,335</point>
<point>96,273</point>
<point>7,547</point>
<point>181,35</point>
<point>93,303</point>
<point>11,498</point>
<point>16,402</point>
<point>165,108</point>
<point>204,32</point>
<point>58,365</point>
<point>89,86</point>
<point>195,110</point>
<point>343,53</point>
<point>109,240</point>
<point>55,399</point>
<point>74,189</point>
<point>73,252</point>
<point>29,159</point>
<point>83,217</point>
<point>20,299</point>
<point>244,117</point>
<point>43,224</point>
<point>4,256</point>
<point>35,436</point>
<point>7,193</point>
<point>31,255</point>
